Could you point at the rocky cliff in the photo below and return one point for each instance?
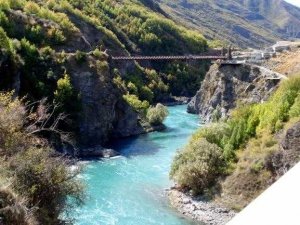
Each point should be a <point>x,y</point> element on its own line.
<point>225,86</point>
<point>289,151</point>
<point>104,113</point>
<point>59,50</point>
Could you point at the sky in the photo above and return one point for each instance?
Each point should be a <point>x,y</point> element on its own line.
<point>294,2</point>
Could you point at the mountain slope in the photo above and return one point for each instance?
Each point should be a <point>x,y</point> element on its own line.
<point>58,50</point>
<point>246,23</point>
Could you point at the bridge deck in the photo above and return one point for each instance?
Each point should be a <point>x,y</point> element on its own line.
<point>189,57</point>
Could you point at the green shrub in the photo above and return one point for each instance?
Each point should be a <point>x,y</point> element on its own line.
<point>99,54</point>
<point>32,7</point>
<point>56,36</point>
<point>120,83</point>
<point>295,109</point>
<point>5,22</point>
<point>198,166</point>
<point>278,107</point>
<point>42,182</point>
<point>132,88</point>
<point>47,53</point>
<point>5,43</point>
<point>61,57</point>
<point>45,182</point>
<point>4,5</point>
<point>64,91</point>
<point>29,52</point>
<point>151,74</point>
<point>17,4</point>
<point>215,133</point>
<point>35,34</point>
<point>12,119</point>
<point>156,115</point>
<point>146,94</point>
<point>102,66</point>
<point>136,103</point>
<point>80,56</point>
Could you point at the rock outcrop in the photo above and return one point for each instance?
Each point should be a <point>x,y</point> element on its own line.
<point>227,85</point>
<point>198,209</point>
<point>289,154</point>
<point>104,114</point>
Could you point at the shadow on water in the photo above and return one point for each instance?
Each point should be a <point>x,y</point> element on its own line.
<point>134,146</point>
<point>146,144</point>
<point>129,190</point>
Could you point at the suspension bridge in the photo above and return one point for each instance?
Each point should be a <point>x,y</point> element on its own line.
<point>156,58</point>
<point>223,58</point>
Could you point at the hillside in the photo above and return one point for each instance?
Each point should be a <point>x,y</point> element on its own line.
<point>58,50</point>
<point>245,23</point>
<point>227,86</point>
<point>232,161</point>
<point>60,92</point>
<point>285,63</point>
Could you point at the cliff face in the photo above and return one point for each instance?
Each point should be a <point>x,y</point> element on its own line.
<point>104,114</point>
<point>227,85</point>
<point>288,155</point>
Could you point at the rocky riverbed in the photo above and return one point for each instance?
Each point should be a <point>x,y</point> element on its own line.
<point>199,209</point>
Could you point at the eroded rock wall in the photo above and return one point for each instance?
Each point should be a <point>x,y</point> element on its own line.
<point>227,85</point>
<point>289,153</point>
<point>104,114</point>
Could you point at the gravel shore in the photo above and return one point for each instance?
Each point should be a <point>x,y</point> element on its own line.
<point>206,212</point>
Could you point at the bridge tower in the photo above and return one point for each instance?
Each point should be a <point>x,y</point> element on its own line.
<point>229,56</point>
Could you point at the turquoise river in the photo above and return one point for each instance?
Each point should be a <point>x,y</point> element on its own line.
<point>130,190</point>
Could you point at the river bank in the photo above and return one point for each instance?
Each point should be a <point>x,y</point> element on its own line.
<point>199,209</point>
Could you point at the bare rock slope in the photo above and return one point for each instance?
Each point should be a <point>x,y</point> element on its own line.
<point>104,114</point>
<point>227,85</point>
<point>206,212</point>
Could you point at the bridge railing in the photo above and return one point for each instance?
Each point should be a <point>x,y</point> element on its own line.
<point>188,57</point>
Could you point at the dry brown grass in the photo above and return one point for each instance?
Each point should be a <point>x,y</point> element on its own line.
<point>34,184</point>
<point>251,175</point>
<point>13,209</point>
<point>286,63</point>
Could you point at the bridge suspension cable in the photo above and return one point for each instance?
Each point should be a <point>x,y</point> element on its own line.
<point>221,56</point>
<point>188,57</point>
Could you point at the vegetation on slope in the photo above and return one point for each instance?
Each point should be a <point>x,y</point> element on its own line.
<point>143,31</point>
<point>156,115</point>
<point>245,23</point>
<point>42,34</point>
<point>287,62</point>
<point>34,183</point>
<point>42,42</point>
<point>240,147</point>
